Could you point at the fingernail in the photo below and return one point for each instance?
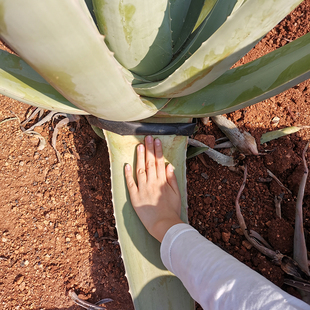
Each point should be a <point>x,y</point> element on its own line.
<point>157,142</point>
<point>127,167</point>
<point>170,167</point>
<point>141,148</point>
<point>149,139</point>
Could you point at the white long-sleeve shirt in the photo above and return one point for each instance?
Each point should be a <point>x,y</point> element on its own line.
<point>215,279</point>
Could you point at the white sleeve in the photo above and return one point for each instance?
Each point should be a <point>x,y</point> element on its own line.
<point>215,279</point>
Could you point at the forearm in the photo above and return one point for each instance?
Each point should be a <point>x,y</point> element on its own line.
<point>217,280</point>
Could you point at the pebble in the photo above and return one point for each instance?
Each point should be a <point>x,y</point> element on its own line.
<point>225,236</point>
<point>4,239</point>
<point>78,237</point>
<point>247,244</point>
<point>100,232</point>
<point>239,231</point>
<point>38,129</point>
<point>275,120</point>
<point>205,176</point>
<point>22,286</point>
<point>20,280</point>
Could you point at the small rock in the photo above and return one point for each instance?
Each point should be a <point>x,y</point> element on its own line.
<point>205,176</point>
<point>67,239</point>
<point>275,120</point>
<point>22,286</point>
<point>100,232</point>
<point>78,236</point>
<point>19,279</point>
<point>239,231</point>
<point>208,140</point>
<point>247,244</point>
<point>4,239</point>
<point>38,129</point>
<point>225,236</point>
<point>84,297</point>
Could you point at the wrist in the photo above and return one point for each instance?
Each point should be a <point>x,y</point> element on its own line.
<point>160,228</point>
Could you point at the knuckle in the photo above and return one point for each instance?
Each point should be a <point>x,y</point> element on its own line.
<point>131,184</point>
<point>150,164</point>
<point>141,171</point>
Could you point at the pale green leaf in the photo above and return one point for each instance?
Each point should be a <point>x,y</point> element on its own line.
<point>248,84</point>
<point>98,131</point>
<point>206,9</point>
<point>151,285</point>
<point>276,134</point>
<point>19,81</point>
<point>213,21</point>
<point>71,55</point>
<point>226,46</point>
<point>137,31</point>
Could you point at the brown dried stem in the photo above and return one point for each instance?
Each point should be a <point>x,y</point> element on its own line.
<point>300,249</point>
<point>275,256</point>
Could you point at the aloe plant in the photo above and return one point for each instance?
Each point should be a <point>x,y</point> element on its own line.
<point>163,61</point>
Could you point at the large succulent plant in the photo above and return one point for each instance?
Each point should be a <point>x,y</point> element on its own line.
<point>158,61</point>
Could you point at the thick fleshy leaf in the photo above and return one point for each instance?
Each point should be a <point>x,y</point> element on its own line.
<point>190,20</point>
<point>178,13</point>
<point>71,55</point>
<point>206,9</point>
<point>137,31</point>
<point>247,84</point>
<point>151,285</point>
<point>227,45</point>
<point>213,21</point>
<point>90,6</point>
<point>19,81</point>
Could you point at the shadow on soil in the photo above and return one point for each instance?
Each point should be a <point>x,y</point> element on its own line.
<point>107,270</point>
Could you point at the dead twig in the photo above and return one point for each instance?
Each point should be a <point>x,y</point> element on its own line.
<point>278,181</point>
<point>287,264</point>
<point>275,256</point>
<point>87,305</point>
<point>220,158</point>
<point>300,249</point>
<point>278,201</point>
<point>243,141</point>
<point>298,284</point>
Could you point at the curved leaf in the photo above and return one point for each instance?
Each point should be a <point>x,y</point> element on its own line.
<point>206,9</point>
<point>19,81</point>
<point>227,45</point>
<point>248,84</point>
<point>137,31</point>
<point>276,134</point>
<point>71,55</point>
<point>213,21</point>
<point>178,13</point>
<point>151,285</point>
<point>191,17</point>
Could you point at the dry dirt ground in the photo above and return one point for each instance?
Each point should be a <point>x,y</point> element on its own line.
<point>56,219</point>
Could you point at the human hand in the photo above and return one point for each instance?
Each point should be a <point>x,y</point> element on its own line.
<point>156,198</point>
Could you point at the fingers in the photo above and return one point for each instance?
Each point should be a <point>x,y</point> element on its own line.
<point>150,164</point>
<point>131,184</point>
<point>160,161</point>
<point>141,174</point>
<point>172,179</point>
